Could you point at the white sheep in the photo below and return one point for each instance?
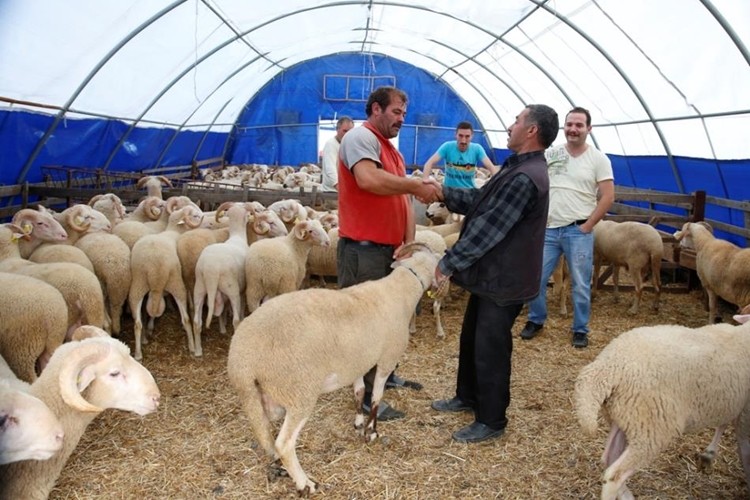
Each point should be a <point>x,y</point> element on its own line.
<point>48,240</point>
<point>439,214</point>
<point>301,344</point>
<point>322,261</point>
<point>148,209</point>
<point>656,383</point>
<point>190,245</point>
<point>436,243</point>
<point>79,287</point>
<point>82,379</point>
<point>723,268</point>
<point>155,269</point>
<point>80,219</point>
<point>110,205</point>
<point>130,231</point>
<point>277,265</point>
<point>110,257</point>
<point>220,273</point>
<point>635,245</point>
<point>33,323</point>
<point>28,429</point>
<point>290,211</point>
<point>153,184</point>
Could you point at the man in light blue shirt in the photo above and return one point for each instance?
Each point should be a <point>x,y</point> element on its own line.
<point>461,158</point>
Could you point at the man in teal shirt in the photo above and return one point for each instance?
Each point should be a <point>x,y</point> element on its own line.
<point>461,158</point>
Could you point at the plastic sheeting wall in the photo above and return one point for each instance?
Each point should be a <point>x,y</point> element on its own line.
<point>88,143</point>
<point>279,126</point>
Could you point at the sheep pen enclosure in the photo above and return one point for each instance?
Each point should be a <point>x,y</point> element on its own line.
<point>199,445</point>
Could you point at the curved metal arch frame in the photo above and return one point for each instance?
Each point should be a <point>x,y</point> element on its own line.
<point>216,116</point>
<point>59,117</point>
<point>538,3</point>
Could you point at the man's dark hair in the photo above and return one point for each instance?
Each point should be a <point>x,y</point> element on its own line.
<point>383,96</point>
<point>545,118</point>
<point>464,126</point>
<point>585,111</point>
<point>341,121</point>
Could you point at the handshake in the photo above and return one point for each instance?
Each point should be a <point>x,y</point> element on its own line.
<point>429,190</point>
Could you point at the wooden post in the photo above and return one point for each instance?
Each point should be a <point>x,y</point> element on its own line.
<point>699,207</point>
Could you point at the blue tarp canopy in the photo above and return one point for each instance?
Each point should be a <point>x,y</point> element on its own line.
<point>139,84</point>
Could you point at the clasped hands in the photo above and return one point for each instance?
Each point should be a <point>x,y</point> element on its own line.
<point>430,190</point>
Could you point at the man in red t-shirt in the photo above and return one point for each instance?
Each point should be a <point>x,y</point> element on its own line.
<point>375,215</point>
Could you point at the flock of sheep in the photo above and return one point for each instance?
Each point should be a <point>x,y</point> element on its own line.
<point>68,277</point>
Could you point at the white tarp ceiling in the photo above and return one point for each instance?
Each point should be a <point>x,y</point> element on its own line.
<point>660,77</point>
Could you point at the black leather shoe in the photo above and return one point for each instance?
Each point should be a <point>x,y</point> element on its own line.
<point>394,381</point>
<point>452,405</point>
<point>385,412</point>
<point>476,432</point>
<point>580,340</point>
<point>530,330</point>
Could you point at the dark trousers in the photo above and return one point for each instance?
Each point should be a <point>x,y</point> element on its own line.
<point>356,263</point>
<point>484,367</point>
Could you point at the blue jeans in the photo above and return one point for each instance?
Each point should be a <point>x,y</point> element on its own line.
<point>578,248</point>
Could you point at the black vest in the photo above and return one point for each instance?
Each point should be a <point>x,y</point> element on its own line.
<point>511,271</point>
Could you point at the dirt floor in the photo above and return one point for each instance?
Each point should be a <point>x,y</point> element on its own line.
<point>199,446</point>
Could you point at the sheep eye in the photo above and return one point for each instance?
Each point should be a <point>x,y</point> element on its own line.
<point>115,373</point>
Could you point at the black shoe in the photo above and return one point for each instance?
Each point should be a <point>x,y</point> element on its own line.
<point>476,432</point>
<point>530,330</point>
<point>385,412</point>
<point>394,381</point>
<point>580,340</point>
<point>452,405</point>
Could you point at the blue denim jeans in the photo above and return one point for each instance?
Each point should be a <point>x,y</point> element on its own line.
<point>578,248</point>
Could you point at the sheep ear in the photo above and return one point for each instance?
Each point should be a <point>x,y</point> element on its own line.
<point>742,318</point>
<point>85,377</point>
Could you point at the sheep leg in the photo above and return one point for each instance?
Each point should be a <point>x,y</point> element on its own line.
<point>135,308</point>
<point>378,387</point>
<point>637,454</point>
<point>186,324</point>
<point>713,316</point>
<point>656,279</point>
<point>359,398</point>
<point>436,304</point>
<point>616,282</point>
<point>285,447</point>
<point>413,323</point>
<point>638,285</point>
<point>615,445</point>
<point>176,289</point>
<point>742,430</point>
<point>199,294</point>
<point>706,459</point>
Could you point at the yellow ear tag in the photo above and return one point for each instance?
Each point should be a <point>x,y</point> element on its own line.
<point>15,237</point>
<point>27,227</point>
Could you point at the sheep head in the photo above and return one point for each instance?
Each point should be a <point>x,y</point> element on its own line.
<point>103,370</point>
<point>313,231</point>
<point>189,216</point>
<point>40,224</point>
<point>222,208</point>
<point>268,223</point>
<point>108,202</point>
<point>28,428</point>
<point>420,260</point>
